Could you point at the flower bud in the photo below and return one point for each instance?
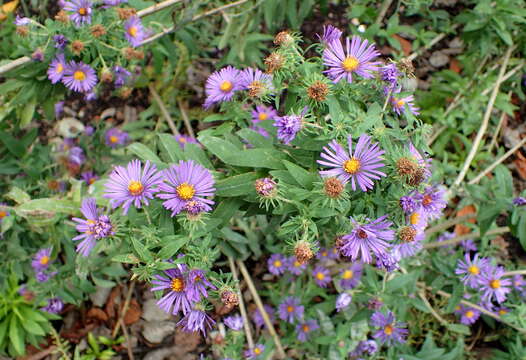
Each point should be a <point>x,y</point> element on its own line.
<point>98,30</point>
<point>266,187</point>
<point>283,38</point>
<point>333,187</point>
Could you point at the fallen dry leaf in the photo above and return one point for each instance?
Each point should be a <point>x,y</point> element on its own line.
<point>188,341</point>
<point>96,313</point>
<point>461,229</point>
<point>455,66</point>
<point>133,314</point>
<point>520,164</point>
<point>406,44</point>
<point>8,8</point>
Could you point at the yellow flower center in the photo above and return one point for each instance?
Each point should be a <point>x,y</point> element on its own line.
<point>277,263</point>
<point>350,63</point>
<point>474,269</point>
<point>3,214</point>
<point>494,284</point>
<point>182,140</point>
<point>135,188</point>
<point>44,260</point>
<point>414,218</point>
<point>262,116</point>
<point>469,314</point>
<point>113,139</point>
<point>457,307</point>
<point>320,276</point>
<point>79,75</point>
<point>427,200</point>
<point>83,11</point>
<point>399,103</point>
<point>91,180</point>
<point>306,328</point>
<point>185,191</point>
<point>503,311</point>
<point>257,351</point>
<point>388,330</point>
<point>324,253</point>
<point>297,263</point>
<point>352,166</point>
<point>177,284</point>
<point>348,274</point>
<point>132,31</point>
<point>226,86</point>
<point>59,68</point>
<point>290,308</point>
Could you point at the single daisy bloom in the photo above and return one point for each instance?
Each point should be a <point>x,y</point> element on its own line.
<point>321,275</point>
<point>294,266</point>
<point>42,259</point>
<point>359,167</point>
<point>357,58</point>
<point>423,161</point>
<point>234,322</point>
<point>56,68</point>
<point>432,201</point>
<point>365,347</point>
<point>81,10</point>
<point>330,34</point>
<point>256,82</point>
<point>390,330</point>
<point>305,328</point>
<point>135,33</point>
<point>196,320</point>
<point>342,301</point>
<point>76,156</point>
<point>176,298</point>
<point>132,185</point>
<point>89,177</point>
<point>96,226</point>
<point>53,306</point>
<point>222,85</point>
<point>21,21</point>
<point>197,285</point>
<point>188,184</point>
<point>367,238</point>
<point>468,316</point>
<point>42,276</point>
<point>79,77</point>
<point>277,264</point>
<point>291,309</point>
<point>185,139</point>
<point>262,113</point>
<point>255,352</point>
<point>493,285</point>
<point>401,104</point>
<point>350,277</point>
<point>471,269</point>
<point>258,318</point>
<point>115,137</point>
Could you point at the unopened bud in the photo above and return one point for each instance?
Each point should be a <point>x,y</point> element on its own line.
<point>283,38</point>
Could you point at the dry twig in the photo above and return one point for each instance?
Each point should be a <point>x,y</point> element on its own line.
<point>124,309</point>
<point>472,235</point>
<point>164,111</point>
<point>242,308</point>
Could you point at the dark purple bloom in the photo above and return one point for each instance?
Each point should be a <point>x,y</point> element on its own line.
<point>222,85</point>
<point>330,34</point>
<point>390,74</point>
<point>519,201</point>
<point>197,285</point>
<point>60,41</point>
<point>291,309</point>
<point>185,139</point>
<point>55,72</point>
<point>53,306</point>
<point>365,238</point>
<point>471,269</point>
<point>89,177</point>
<point>187,182</point>
<point>135,33</point>
<point>469,245</point>
<point>342,301</point>
<point>303,329</point>
<point>408,203</point>
<point>262,113</point>
<point>288,126</point>
<point>89,130</point>
<point>351,276</point>
<point>37,55</point>
<point>357,58</point>
<point>255,352</point>
<point>95,227</point>
<point>432,201</point>
<point>176,298</point>
<point>258,318</point>
<point>256,82</point>
<point>365,347</point>
<point>42,276</point>
<point>321,275</point>
<point>42,259</point>
<point>502,310</point>
<point>81,10</point>
<point>294,266</point>
<point>79,77</point>
<point>277,264</point>
<point>493,285</point>
<point>121,76</point>
<point>21,21</point>
<point>358,167</point>
<point>390,331</point>
<point>115,136</point>
<point>234,322</point>
<point>133,185</point>
<point>196,320</point>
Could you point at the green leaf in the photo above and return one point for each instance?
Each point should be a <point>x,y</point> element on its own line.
<point>459,328</point>
<point>173,244</point>
<point>194,151</point>
<point>3,330</point>
<point>144,153</point>
<point>103,282</point>
<point>233,236</point>
<point>46,208</point>
<point>236,185</point>
<point>27,113</point>
<point>33,327</point>
<point>171,147</point>
<point>15,335</point>
<point>142,251</point>
<point>302,176</point>
<point>18,195</point>
<point>126,258</point>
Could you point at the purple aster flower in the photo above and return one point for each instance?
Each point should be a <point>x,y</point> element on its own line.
<point>53,306</point>
<point>418,219</point>
<point>388,261</point>
<point>176,299</point>
<point>42,276</point>
<point>492,284</point>
<point>185,139</point>
<point>327,254</point>
<point>95,227</point>
<point>303,329</point>
<point>89,130</point>
<point>79,77</point>
<point>288,126</point>
<point>3,212</point>
<point>518,283</point>
<point>109,3</point>
<point>262,113</point>
<point>121,76</point>
<point>423,161</point>
<point>37,55</point>
<point>468,245</point>
<point>186,182</point>
<point>469,315</point>
<point>76,156</point>
<point>59,108</point>
<point>89,177</point>
<point>135,33</point>
<point>502,310</point>
<point>60,41</point>
<point>277,264</point>
<point>365,347</point>
<point>256,82</point>
<point>133,185</point>
<point>196,320</point>
<point>234,322</point>
<point>433,201</point>
<point>22,21</point>
<point>222,85</point>
<point>360,166</point>
<point>294,266</point>
<point>330,34</point>
<point>471,269</point>
<point>258,318</point>
<point>400,104</point>
<point>42,259</point>
<point>519,201</point>
<point>365,238</point>
<point>447,235</point>
<point>357,58</point>
<point>351,276</point>
<point>255,352</point>
<point>115,136</point>
<point>390,331</point>
<point>389,73</point>
<point>321,275</point>
<point>374,303</point>
<point>342,301</point>
<point>266,187</point>
<point>55,72</point>
<point>81,10</point>
<point>291,309</point>
<point>408,204</point>
<point>197,285</point>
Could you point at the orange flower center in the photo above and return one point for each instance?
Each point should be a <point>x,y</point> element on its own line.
<point>113,139</point>
<point>469,314</point>
<point>226,86</point>
<point>3,214</point>
<point>91,180</point>
<point>348,274</point>
<point>494,284</point>
<point>262,116</point>
<point>44,260</point>
<point>79,75</point>
<point>177,284</point>
<point>135,188</point>
<point>350,63</point>
<point>427,200</point>
<point>414,218</point>
<point>182,140</point>
<point>388,330</point>
<point>362,234</point>
<point>352,166</point>
<point>290,308</point>
<point>474,269</point>
<point>277,263</point>
<point>399,103</point>
<point>503,311</point>
<point>306,328</point>
<point>185,191</point>
<point>132,31</point>
<point>83,11</point>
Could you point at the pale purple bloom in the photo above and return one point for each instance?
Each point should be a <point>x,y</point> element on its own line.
<point>114,2</point>
<point>197,285</point>
<point>342,301</point>
<point>185,139</point>
<point>288,126</point>
<point>388,261</point>
<point>447,235</point>
<point>258,318</point>
<point>21,21</point>
<point>471,269</point>
<point>132,185</point>
<point>468,316</point>
<point>76,156</point>
<point>59,108</point>
<point>222,85</point>
<point>79,77</point>
<point>389,73</point>
<point>326,254</point>
<point>469,245</point>
<point>390,331</point>
<point>294,266</point>
<point>262,113</point>
<point>350,277</point>
<point>42,276</point>
<point>176,299</point>
<point>423,161</point>
<point>322,277</point>
<point>256,82</point>
<point>93,228</point>
<point>234,322</point>
<point>55,72</point>
<point>330,34</point>
<point>518,283</point>
<point>400,104</point>
<point>291,309</point>
<point>115,137</point>
<point>89,177</point>
<point>277,264</point>
<point>90,96</point>
<point>186,183</point>
<point>358,167</point>
<point>365,238</point>
<point>42,259</point>
<point>408,203</point>
<point>357,58</point>
<point>121,76</point>
<point>89,130</point>
<point>255,352</point>
<point>365,347</point>
<point>135,33</point>
<point>493,285</point>
<point>519,201</point>
<point>81,11</point>
<point>432,201</point>
<point>53,306</point>
<point>196,320</point>
<point>305,328</point>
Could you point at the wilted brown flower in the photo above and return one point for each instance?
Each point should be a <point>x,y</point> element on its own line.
<point>98,30</point>
<point>126,13</point>
<point>283,38</point>
<point>77,46</point>
<point>274,62</point>
<point>333,187</point>
<point>318,91</point>
<point>22,30</point>
<point>303,252</point>
<point>62,17</point>
<point>407,234</point>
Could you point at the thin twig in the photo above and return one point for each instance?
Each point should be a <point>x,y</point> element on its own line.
<point>515,272</point>
<point>472,235</point>
<point>429,45</point>
<point>42,354</point>
<point>504,78</point>
<point>431,309</point>
<point>14,64</point>
<point>128,341</point>
<point>447,224</point>
<point>163,109</point>
<point>157,7</point>
<point>383,11</point>
<point>242,308</point>
<point>485,120</point>
<point>186,120</point>
<point>498,161</point>
<point>262,311</point>
<point>124,309</point>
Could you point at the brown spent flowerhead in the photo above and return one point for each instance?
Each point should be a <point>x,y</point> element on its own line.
<point>339,242</point>
<point>106,76</point>
<point>417,177</point>
<point>131,54</point>
<point>406,66</point>
<point>318,91</point>
<point>303,252</point>
<point>77,46</point>
<point>229,298</point>
<point>98,30</point>
<point>125,92</point>
<point>410,170</point>
<point>22,30</point>
<point>333,187</point>
<point>126,13</point>
<point>407,234</point>
<point>62,17</point>
<point>283,38</point>
<point>256,89</point>
<point>274,62</point>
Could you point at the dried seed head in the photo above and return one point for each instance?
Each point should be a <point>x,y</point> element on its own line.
<point>229,298</point>
<point>22,30</point>
<point>406,166</point>
<point>406,66</point>
<point>407,234</point>
<point>283,38</point>
<point>53,185</point>
<point>106,76</point>
<point>138,55</point>
<point>333,187</point>
<point>126,13</point>
<point>339,242</point>
<point>318,91</point>
<point>303,252</point>
<point>274,62</point>
<point>417,177</point>
<point>77,46</point>
<point>256,89</point>
<point>98,30</point>
<point>128,53</point>
<point>62,17</point>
